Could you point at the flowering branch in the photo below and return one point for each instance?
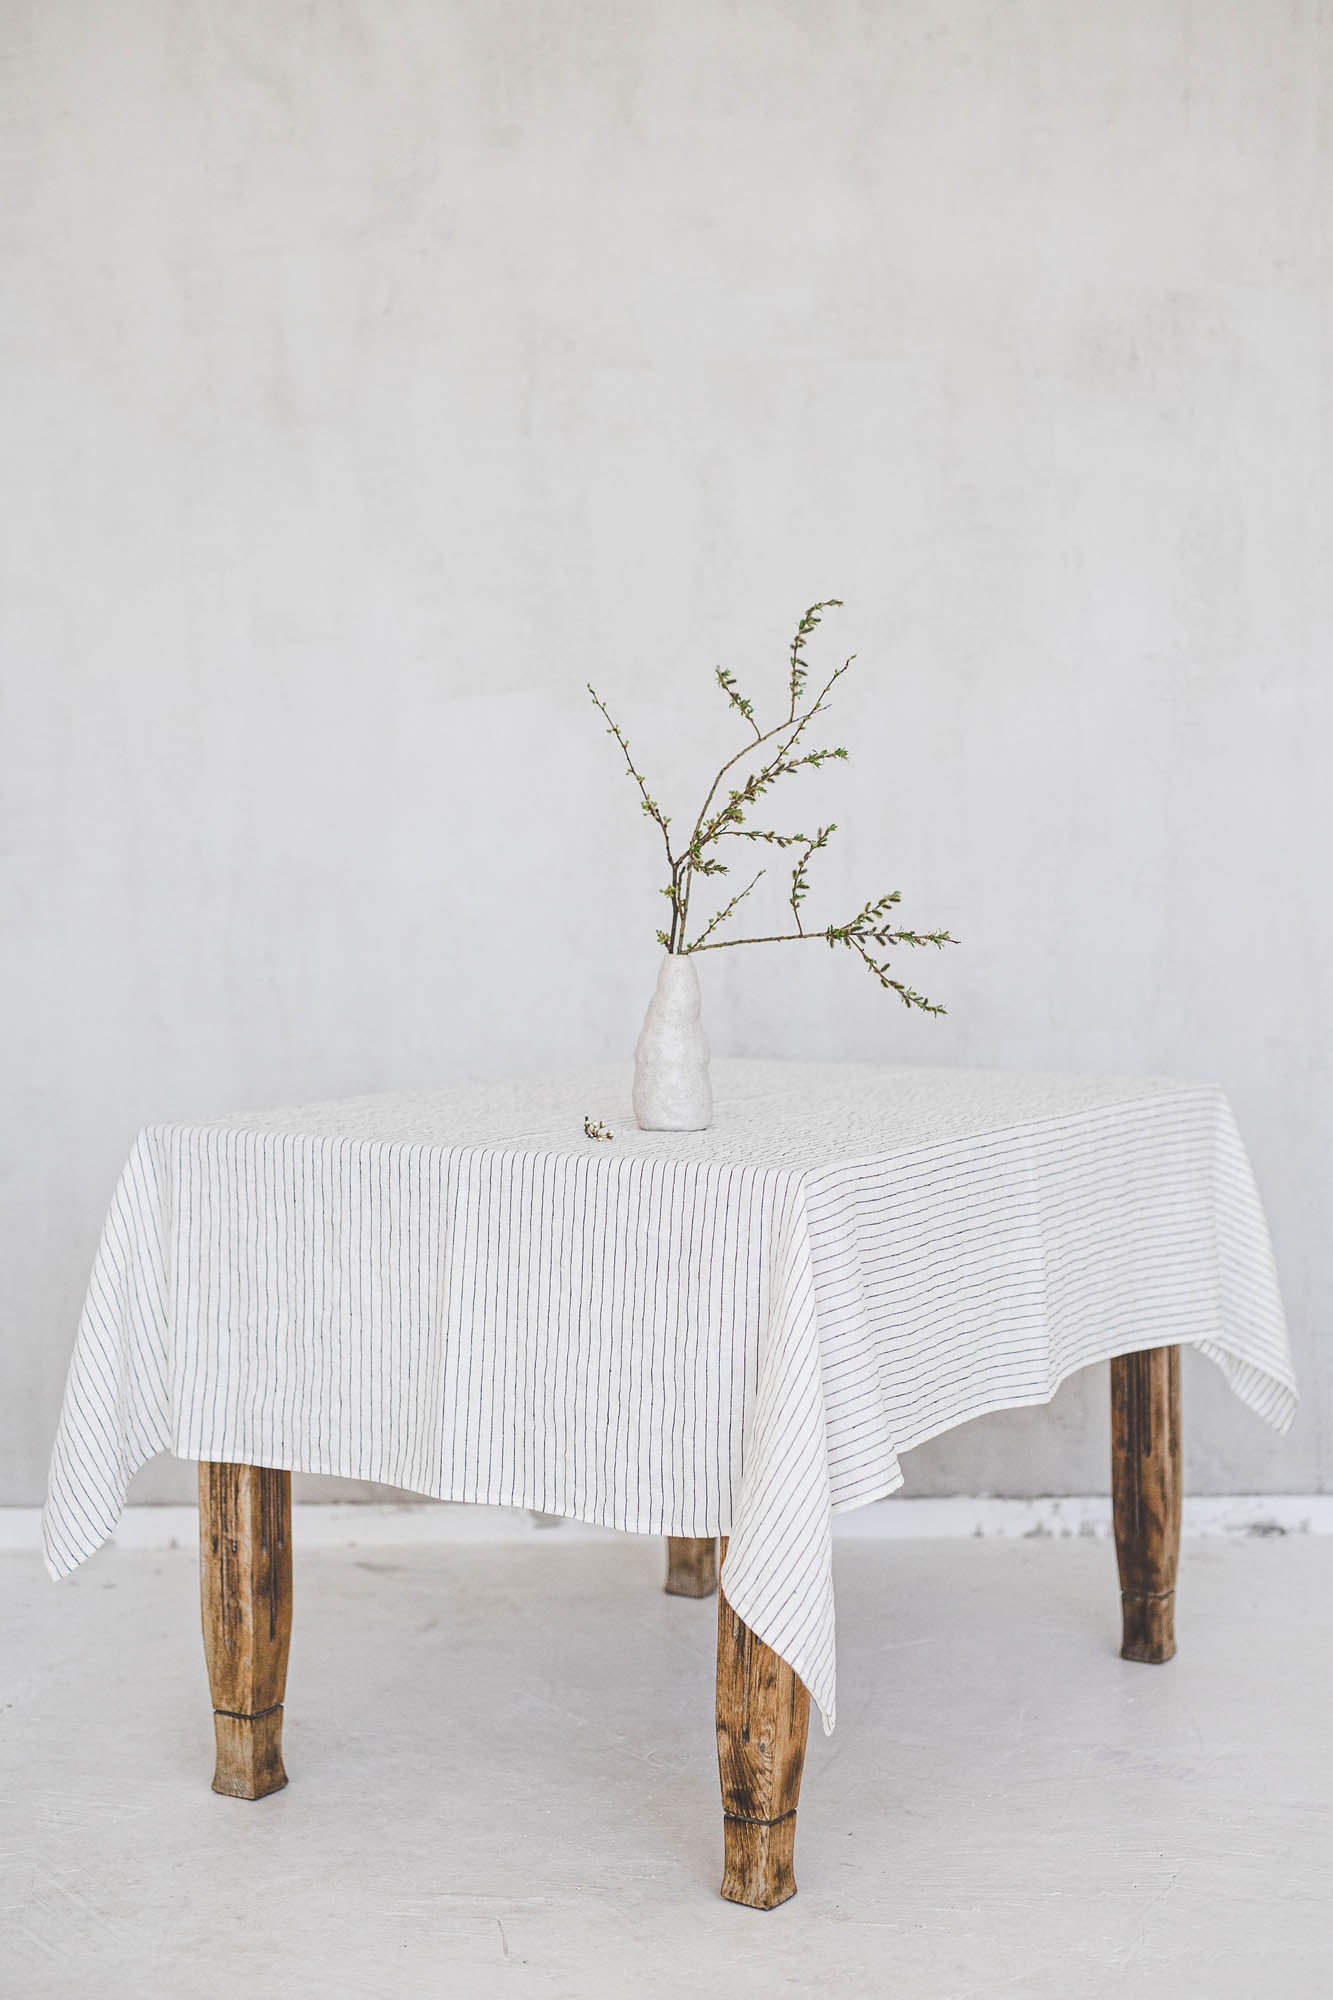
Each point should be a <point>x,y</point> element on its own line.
<point>868,933</point>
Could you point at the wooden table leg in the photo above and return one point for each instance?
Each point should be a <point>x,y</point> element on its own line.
<point>763,1712</point>
<point>246,1588</point>
<point>1145,1497</point>
<point>691,1566</point>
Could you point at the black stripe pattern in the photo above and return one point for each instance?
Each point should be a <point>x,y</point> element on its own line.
<point>737,1331</point>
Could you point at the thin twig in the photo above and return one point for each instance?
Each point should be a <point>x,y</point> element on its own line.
<point>760,780</point>
<point>722,916</point>
<point>650,805</point>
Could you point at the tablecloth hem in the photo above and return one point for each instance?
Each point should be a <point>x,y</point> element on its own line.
<point>196,1450</point>
<point>1274,1401</point>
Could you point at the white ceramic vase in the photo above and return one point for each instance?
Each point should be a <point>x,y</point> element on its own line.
<point>672,1092</point>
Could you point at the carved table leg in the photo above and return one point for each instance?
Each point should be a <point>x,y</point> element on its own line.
<point>246,1588</point>
<point>691,1566</point>
<point>1145,1497</point>
<point>763,1712</point>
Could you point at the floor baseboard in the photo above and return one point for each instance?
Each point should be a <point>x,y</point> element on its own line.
<point>339,1524</point>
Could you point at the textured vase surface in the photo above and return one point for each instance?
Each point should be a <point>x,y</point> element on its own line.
<point>672,1092</point>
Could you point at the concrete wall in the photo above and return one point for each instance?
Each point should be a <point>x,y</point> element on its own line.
<point>375,375</point>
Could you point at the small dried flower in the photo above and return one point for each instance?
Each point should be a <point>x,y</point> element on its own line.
<point>596,1130</point>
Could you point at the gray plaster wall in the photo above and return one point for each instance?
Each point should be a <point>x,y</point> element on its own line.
<point>373,376</point>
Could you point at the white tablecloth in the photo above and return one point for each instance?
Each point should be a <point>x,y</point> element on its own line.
<point>735,1331</point>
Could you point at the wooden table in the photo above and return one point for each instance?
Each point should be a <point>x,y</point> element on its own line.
<point>762,1707</point>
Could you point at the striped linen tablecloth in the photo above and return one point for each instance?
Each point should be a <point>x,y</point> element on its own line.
<point>737,1331</point>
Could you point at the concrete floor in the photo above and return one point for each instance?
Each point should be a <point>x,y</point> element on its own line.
<point>503,1784</point>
